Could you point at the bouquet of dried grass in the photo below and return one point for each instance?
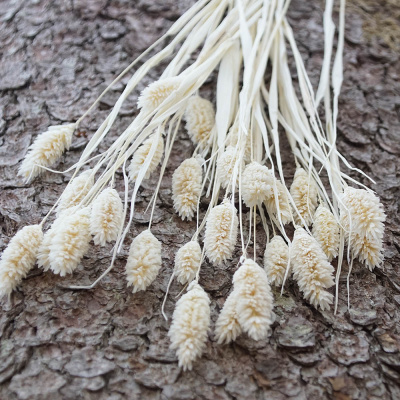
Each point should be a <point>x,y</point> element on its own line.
<point>236,159</point>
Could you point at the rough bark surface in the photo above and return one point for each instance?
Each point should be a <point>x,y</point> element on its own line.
<point>108,343</point>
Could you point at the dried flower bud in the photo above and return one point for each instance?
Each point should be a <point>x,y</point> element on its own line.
<point>70,242</point>
<point>76,191</point>
<point>187,262</point>
<point>190,323</point>
<point>311,269</point>
<point>19,257</point>
<point>221,232</point>
<point>200,119</point>
<point>157,92</point>
<point>305,196</point>
<point>326,231</point>
<point>46,150</point>
<point>106,217</point>
<point>276,260</point>
<point>362,218</point>
<point>257,184</point>
<point>186,187</point>
<point>285,211</point>
<point>254,299</point>
<point>226,166</point>
<point>140,155</point>
<point>144,261</point>
<point>228,328</point>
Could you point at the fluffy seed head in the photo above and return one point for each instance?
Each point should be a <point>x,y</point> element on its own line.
<point>305,196</point>
<point>70,242</point>
<point>187,262</point>
<point>226,165</point>
<point>284,210</point>
<point>326,231</point>
<point>155,94</point>
<point>45,151</point>
<point>257,184</point>
<point>254,299</point>
<point>228,328</point>
<point>140,155</point>
<point>75,192</point>
<point>233,140</point>
<point>311,269</point>
<point>362,218</point>
<point>190,323</point>
<point>144,261</point>
<point>221,232</point>
<point>19,257</point>
<point>186,187</point>
<point>200,119</point>
<point>276,260</point>
<point>106,216</point>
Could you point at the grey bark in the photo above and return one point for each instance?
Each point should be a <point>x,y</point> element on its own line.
<point>107,343</point>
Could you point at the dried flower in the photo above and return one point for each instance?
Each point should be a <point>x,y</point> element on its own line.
<point>226,165</point>
<point>187,262</point>
<point>221,232</point>
<point>276,260</point>
<point>200,119</point>
<point>186,187</point>
<point>106,217</point>
<point>285,211</point>
<point>228,328</point>
<point>311,269</point>
<point>76,191</point>
<point>144,261</point>
<point>19,257</point>
<point>362,218</point>
<point>70,242</point>
<point>326,231</point>
<point>190,323</point>
<point>305,196</point>
<point>47,148</point>
<point>140,155</point>
<point>257,184</point>
<point>155,94</point>
<point>233,140</point>
<point>254,299</point>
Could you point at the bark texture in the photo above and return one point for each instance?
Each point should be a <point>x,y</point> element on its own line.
<point>108,343</point>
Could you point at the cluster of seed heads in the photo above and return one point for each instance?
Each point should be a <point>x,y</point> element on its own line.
<point>236,163</point>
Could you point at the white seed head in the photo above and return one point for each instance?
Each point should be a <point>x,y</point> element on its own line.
<point>46,150</point>
<point>254,299</point>
<point>221,232</point>
<point>228,328</point>
<point>190,323</point>
<point>186,187</point>
<point>144,261</point>
<point>276,260</point>
<point>76,191</point>
<point>362,217</point>
<point>200,119</point>
<point>106,216</point>
<point>311,269</point>
<point>326,231</point>
<point>70,242</point>
<point>157,92</point>
<point>233,140</point>
<point>281,206</point>
<point>226,164</point>
<point>257,184</point>
<point>43,256</point>
<point>19,257</point>
<point>305,196</point>
<point>140,155</point>
<point>187,262</point>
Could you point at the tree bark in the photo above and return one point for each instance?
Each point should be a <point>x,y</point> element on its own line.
<point>108,343</point>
